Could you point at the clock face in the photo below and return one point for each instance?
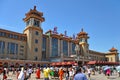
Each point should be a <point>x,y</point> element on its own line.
<point>36,23</point>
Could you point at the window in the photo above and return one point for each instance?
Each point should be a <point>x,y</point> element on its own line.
<point>36,58</point>
<point>28,22</point>
<point>15,36</point>
<point>36,41</point>
<point>44,48</point>
<point>2,34</point>
<point>36,23</point>
<point>10,35</point>
<point>73,48</point>
<point>44,44</point>
<point>22,46</point>
<point>65,48</point>
<point>2,47</point>
<point>36,33</point>
<point>22,38</point>
<point>21,54</point>
<point>54,47</point>
<point>36,49</point>
<point>12,48</point>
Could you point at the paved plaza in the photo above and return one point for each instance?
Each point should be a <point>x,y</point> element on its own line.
<point>93,77</point>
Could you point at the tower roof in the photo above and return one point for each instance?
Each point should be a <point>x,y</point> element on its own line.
<point>33,13</point>
<point>82,34</point>
<point>113,49</point>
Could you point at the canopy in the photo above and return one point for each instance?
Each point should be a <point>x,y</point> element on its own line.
<point>102,63</point>
<point>63,63</point>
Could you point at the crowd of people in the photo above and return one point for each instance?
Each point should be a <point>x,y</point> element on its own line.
<point>58,73</point>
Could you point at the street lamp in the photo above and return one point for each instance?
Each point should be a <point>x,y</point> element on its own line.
<point>77,49</point>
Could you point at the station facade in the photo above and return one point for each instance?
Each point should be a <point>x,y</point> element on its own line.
<point>34,46</point>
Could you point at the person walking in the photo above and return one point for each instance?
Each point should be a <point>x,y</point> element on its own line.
<point>21,75</point>
<point>89,72</point>
<point>46,73</point>
<point>61,74</point>
<point>30,71</point>
<point>71,73</point>
<point>119,73</point>
<point>79,75</point>
<point>4,74</point>
<point>108,73</point>
<point>67,74</point>
<point>38,73</point>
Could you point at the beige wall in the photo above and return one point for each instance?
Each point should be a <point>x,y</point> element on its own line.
<point>31,45</point>
<point>18,56</point>
<point>111,58</point>
<point>93,55</point>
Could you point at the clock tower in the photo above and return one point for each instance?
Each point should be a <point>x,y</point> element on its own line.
<point>83,42</point>
<point>34,33</point>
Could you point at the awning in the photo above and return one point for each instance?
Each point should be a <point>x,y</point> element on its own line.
<point>92,62</point>
<point>102,63</point>
<point>58,63</point>
<point>62,63</point>
<point>75,64</point>
<point>70,63</point>
<point>53,64</point>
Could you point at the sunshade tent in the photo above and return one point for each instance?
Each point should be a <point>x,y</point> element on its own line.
<point>118,68</point>
<point>106,68</point>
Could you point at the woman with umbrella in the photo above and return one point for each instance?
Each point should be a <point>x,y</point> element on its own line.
<point>118,69</point>
<point>108,72</point>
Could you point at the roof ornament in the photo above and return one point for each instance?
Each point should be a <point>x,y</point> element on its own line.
<point>73,36</point>
<point>65,33</point>
<point>82,30</point>
<point>55,30</point>
<point>34,7</point>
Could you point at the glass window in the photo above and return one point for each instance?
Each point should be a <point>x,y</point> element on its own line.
<point>35,58</point>
<point>22,46</point>
<point>22,38</point>
<point>36,41</point>
<point>12,48</point>
<point>44,44</point>
<point>21,54</point>
<point>11,36</point>
<point>27,23</point>
<point>15,36</point>
<point>54,47</point>
<point>73,48</point>
<point>44,48</point>
<point>36,49</point>
<point>36,33</point>
<point>2,47</point>
<point>36,23</point>
<point>2,34</point>
<point>65,48</point>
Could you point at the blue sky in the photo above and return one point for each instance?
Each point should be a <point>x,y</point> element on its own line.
<point>99,18</point>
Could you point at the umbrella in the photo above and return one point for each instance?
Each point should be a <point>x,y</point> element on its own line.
<point>106,68</point>
<point>118,68</point>
<point>91,68</point>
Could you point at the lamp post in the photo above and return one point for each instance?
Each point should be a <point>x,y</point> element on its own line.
<point>77,49</point>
